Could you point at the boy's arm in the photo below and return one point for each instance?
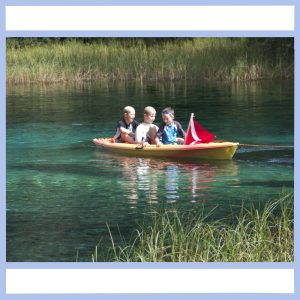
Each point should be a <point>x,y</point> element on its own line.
<point>118,131</point>
<point>160,131</point>
<point>124,130</point>
<point>159,135</point>
<point>127,131</point>
<point>157,142</point>
<point>180,131</point>
<point>138,134</point>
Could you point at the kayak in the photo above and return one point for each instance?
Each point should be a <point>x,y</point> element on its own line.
<point>212,150</point>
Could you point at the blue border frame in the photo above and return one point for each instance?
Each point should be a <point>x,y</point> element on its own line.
<point>138,33</point>
<point>236,33</point>
<point>2,151</point>
<point>146,2</point>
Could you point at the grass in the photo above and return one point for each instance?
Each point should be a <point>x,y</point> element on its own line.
<point>253,235</point>
<point>222,59</point>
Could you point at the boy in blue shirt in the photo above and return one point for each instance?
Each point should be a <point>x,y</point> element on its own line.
<point>169,131</point>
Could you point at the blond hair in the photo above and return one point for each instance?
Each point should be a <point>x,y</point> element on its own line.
<point>128,109</point>
<point>149,110</point>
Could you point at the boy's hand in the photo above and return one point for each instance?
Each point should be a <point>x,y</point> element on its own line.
<point>180,140</point>
<point>131,134</point>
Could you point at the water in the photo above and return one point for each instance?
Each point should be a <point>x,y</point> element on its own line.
<point>63,192</point>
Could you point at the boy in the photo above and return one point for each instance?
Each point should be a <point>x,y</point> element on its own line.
<point>126,128</point>
<point>146,131</point>
<point>169,130</point>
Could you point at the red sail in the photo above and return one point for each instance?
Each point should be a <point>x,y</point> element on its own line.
<point>197,134</point>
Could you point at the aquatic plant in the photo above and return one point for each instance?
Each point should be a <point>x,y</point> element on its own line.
<point>254,235</point>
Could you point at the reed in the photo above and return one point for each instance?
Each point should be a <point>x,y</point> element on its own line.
<point>223,59</point>
<point>253,235</point>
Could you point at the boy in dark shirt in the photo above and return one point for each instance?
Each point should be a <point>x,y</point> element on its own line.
<point>126,127</point>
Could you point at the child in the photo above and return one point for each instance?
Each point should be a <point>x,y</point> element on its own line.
<point>169,130</point>
<point>146,131</point>
<point>127,127</point>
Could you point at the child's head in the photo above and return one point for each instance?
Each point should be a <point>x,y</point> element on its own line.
<point>149,114</point>
<point>168,115</point>
<point>128,113</point>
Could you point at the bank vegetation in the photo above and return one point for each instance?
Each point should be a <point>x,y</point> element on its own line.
<point>46,60</point>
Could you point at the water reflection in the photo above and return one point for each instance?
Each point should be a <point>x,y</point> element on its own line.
<point>201,179</point>
<point>157,181</point>
<point>172,183</point>
<point>139,181</point>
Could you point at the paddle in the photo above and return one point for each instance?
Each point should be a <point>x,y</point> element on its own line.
<point>266,145</point>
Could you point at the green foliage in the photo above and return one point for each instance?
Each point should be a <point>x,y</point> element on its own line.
<point>93,59</point>
<point>253,235</point>
<point>124,42</point>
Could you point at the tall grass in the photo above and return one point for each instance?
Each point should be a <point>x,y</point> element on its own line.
<point>250,236</point>
<point>193,59</point>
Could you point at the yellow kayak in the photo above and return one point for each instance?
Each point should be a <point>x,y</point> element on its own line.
<point>213,150</point>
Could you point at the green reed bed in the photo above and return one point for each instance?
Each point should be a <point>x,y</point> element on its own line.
<point>225,59</point>
<point>252,235</point>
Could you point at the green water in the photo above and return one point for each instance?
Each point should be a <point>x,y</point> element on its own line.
<point>62,191</point>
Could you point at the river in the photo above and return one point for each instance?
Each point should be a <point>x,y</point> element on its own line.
<point>63,192</point>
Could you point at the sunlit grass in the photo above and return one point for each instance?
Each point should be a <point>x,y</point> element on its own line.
<point>253,235</point>
<point>222,59</point>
